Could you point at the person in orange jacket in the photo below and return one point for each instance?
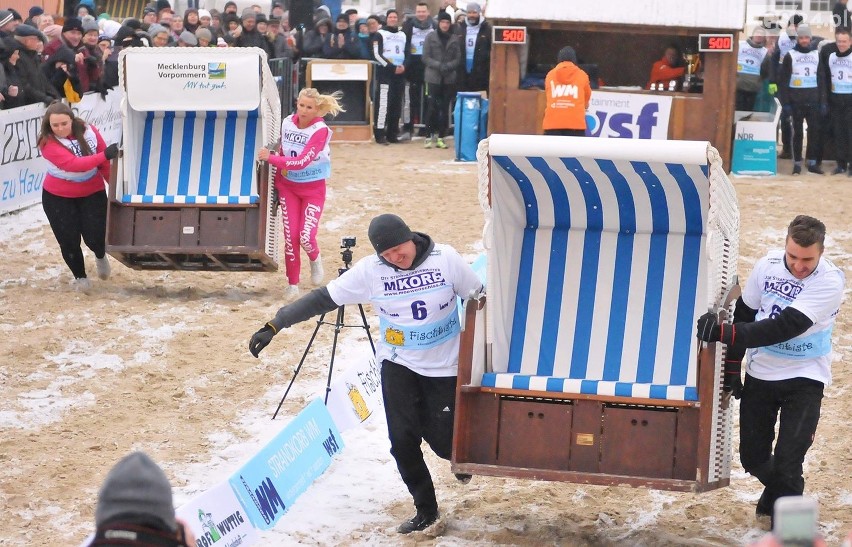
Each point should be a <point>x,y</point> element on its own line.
<point>568,92</point>
<point>670,68</point>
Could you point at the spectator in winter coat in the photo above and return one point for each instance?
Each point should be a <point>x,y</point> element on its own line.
<point>7,23</point>
<point>61,70</point>
<point>93,56</point>
<point>475,31</point>
<point>250,37</point>
<point>11,93</point>
<point>36,87</point>
<point>442,57</point>
<point>362,35</point>
<point>281,48</point>
<point>340,43</point>
<point>313,40</point>
<point>159,35</point>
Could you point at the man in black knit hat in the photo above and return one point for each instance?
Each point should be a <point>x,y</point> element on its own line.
<point>412,283</point>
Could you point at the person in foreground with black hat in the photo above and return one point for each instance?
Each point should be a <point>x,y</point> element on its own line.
<point>412,283</point>
<point>135,507</point>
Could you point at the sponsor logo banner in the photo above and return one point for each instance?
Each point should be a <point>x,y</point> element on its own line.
<point>356,398</point>
<point>269,483</point>
<point>178,80</point>
<point>217,519</point>
<point>628,115</point>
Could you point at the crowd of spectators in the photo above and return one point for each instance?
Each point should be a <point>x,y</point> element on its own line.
<point>42,60</point>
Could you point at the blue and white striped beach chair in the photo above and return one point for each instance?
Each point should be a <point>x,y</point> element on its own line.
<point>584,365</point>
<point>187,191</point>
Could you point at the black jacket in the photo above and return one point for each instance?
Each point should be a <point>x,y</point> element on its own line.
<point>478,78</point>
<point>35,85</point>
<point>350,49</point>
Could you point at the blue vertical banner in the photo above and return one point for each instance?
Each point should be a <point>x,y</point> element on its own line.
<point>269,483</point>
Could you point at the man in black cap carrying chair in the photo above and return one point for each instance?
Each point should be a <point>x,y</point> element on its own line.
<point>412,283</point>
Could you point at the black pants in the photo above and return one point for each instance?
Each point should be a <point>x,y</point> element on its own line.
<point>438,98</point>
<point>566,132</point>
<point>388,107</point>
<point>809,112</point>
<point>418,408</point>
<point>744,100</point>
<point>414,73</point>
<point>72,218</point>
<point>786,131</point>
<point>841,124</point>
<point>798,400</point>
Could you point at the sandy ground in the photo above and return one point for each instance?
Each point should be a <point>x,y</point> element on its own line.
<point>158,361</point>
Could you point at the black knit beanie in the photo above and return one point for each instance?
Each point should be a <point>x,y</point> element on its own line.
<point>387,231</point>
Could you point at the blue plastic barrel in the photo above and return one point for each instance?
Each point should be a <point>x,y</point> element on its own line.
<point>471,124</point>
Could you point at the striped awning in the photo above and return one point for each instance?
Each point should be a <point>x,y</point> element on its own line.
<point>122,9</point>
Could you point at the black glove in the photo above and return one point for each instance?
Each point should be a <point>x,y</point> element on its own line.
<point>733,382</point>
<point>111,151</point>
<point>710,330</point>
<point>261,339</point>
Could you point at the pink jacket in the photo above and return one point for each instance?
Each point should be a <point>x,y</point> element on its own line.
<point>64,159</point>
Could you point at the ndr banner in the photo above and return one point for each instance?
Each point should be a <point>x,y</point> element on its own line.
<point>22,169</point>
<point>269,483</point>
<point>628,115</point>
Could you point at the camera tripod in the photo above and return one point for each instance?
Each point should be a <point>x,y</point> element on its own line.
<point>338,324</point>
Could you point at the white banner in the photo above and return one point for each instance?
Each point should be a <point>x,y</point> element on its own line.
<point>217,518</point>
<point>628,115</point>
<point>105,114</point>
<point>22,168</point>
<point>356,397</point>
<point>184,78</point>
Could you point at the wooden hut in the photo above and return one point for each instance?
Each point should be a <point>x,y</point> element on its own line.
<point>618,42</point>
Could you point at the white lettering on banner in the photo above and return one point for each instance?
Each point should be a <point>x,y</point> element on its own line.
<point>22,169</point>
<point>628,116</point>
<point>563,90</point>
<point>288,453</point>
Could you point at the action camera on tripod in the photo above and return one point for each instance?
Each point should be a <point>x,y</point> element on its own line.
<point>346,244</point>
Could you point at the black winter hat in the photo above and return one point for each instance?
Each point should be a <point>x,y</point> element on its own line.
<point>72,23</point>
<point>36,10</point>
<point>444,16</point>
<point>163,4</point>
<point>6,17</point>
<point>387,231</point>
<point>8,46</point>
<point>27,30</point>
<point>567,54</point>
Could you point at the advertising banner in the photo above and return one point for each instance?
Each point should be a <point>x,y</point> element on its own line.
<point>217,519</point>
<point>356,398</point>
<point>628,115</point>
<point>269,483</point>
<point>103,113</point>
<point>22,168</point>
<point>181,79</point>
